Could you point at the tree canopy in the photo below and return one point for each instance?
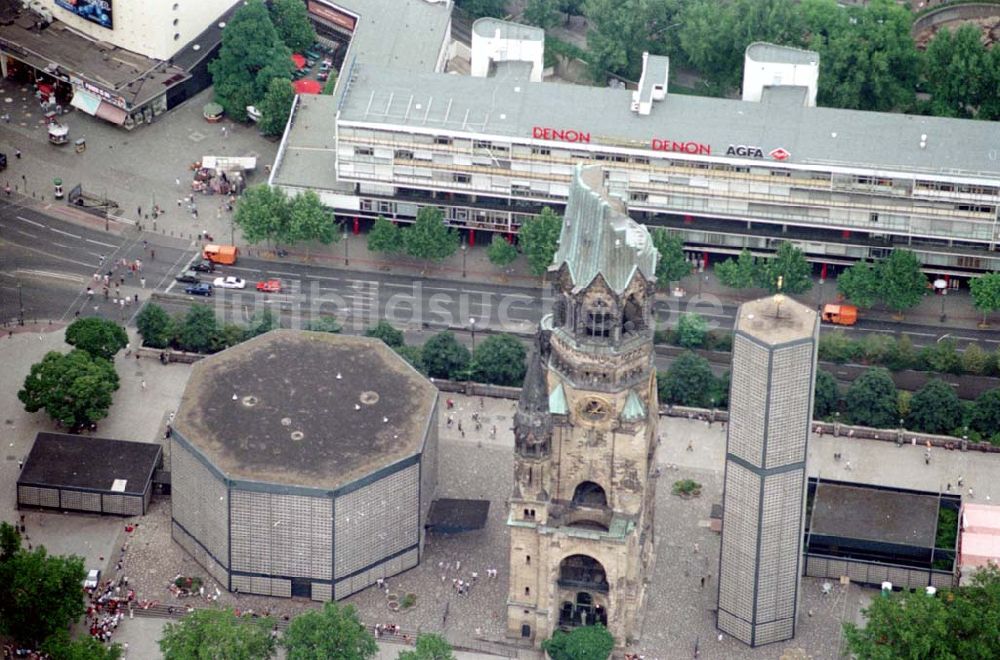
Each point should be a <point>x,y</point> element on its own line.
<point>691,330</point>
<point>860,284</point>
<point>539,237</point>
<point>262,214</point>
<point>986,413</point>
<point>74,388</point>
<point>935,408</point>
<point>40,594</point>
<point>687,382</point>
<point>309,220</point>
<point>386,332</point>
<point>583,643</point>
<point>872,399</point>
<point>155,326</point>
<point>212,634</point>
<point>739,273</point>
<point>955,623</point>
<point>332,632</point>
<point>789,267</point>
<point>903,285</point>
<point>501,252</point>
<point>385,237</point>
<point>251,56</point>
<point>482,8</point>
<point>429,237</point>
<point>59,646</point>
<point>827,395</point>
<point>199,331</point>
<point>500,359</point>
<point>958,72</point>
<point>672,265</point>
<point>429,646</point>
<point>99,337</point>
<point>291,21</point>
<point>985,291</point>
<point>276,105</point>
<point>444,357</point>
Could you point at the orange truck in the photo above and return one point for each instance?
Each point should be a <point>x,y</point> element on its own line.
<point>840,314</point>
<point>220,254</point>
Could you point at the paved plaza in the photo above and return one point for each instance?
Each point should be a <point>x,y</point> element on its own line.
<point>680,612</point>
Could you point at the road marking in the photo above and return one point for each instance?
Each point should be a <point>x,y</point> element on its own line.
<point>26,233</point>
<point>64,233</point>
<point>90,240</point>
<point>439,288</point>
<point>61,245</point>
<point>30,222</point>
<point>48,273</point>
<point>394,285</point>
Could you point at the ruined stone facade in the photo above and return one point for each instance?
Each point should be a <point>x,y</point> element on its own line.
<point>581,511</point>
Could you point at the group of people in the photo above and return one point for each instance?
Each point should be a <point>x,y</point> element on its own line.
<point>388,629</point>
<point>108,603</point>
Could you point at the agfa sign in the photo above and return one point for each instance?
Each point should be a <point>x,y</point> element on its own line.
<point>747,151</point>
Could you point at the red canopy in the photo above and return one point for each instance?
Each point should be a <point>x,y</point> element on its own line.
<point>299,60</point>
<point>307,86</point>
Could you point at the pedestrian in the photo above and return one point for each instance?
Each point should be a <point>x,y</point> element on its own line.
<point>690,446</point>
<point>143,385</point>
<point>6,189</point>
<point>152,255</point>
<point>961,480</point>
<point>948,488</point>
<point>137,297</point>
<point>702,581</point>
<point>138,211</point>
<point>927,457</point>
<point>20,464</point>
<point>142,281</point>
<point>17,154</point>
<point>847,466</point>
<point>178,183</point>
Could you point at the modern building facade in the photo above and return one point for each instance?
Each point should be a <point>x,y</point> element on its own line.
<point>303,464</point>
<point>581,511</point>
<point>725,174</point>
<point>764,492</point>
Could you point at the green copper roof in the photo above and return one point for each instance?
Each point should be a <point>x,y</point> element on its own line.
<point>557,401</point>
<point>599,238</point>
<point>634,408</point>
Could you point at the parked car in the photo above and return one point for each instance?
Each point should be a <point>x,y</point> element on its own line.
<point>188,277</point>
<point>203,266</point>
<point>93,579</point>
<point>201,289</point>
<point>269,286</point>
<point>229,282</point>
<point>253,114</point>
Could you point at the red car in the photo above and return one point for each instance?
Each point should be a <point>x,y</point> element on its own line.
<point>269,286</point>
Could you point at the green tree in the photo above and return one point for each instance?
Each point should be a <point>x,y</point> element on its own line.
<point>955,623</point>
<point>860,284</point>
<point>542,13</point>
<point>903,285</point>
<point>975,360</point>
<point>744,272</point>
<point>719,394</point>
<point>986,413</point>
<point>386,332</point>
<point>250,57</point>
<point>985,291</point>
<point>330,85</point>
<point>869,61</point>
<point>500,252</point>
<point>429,237</point>
<point>826,399</point>
<point>789,266</point>
<point>692,329</point>
<point>989,107</point>
<point>213,634</point>
<point>672,265</point>
<point>199,332</point>
<point>954,63</point>
<point>837,347</point>
<point>500,359</point>
<point>688,381</point>
<point>583,643</point>
<point>99,337</point>
<point>40,594</point>
<point>385,236</point>
<point>444,357</point>
<point>155,326</point>
<point>310,220</point>
<point>430,646</point>
<point>262,214</point>
<point>649,26</point>
<point>414,355</point>
<point>539,238</point>
<point>872,400</point>
<point>60,646</point>
<point>276,105</point>
<point>333,632</point>
<point>942,357</point>
<point>263,321</point>
<point>324,324</point>
<point>10,541</point>
<point>876,349</point>
<point>74,388</point>
<point>903,355</point>
<point>483,8</point>
<point>715,35</point>
<point>291,21</point>
<point>935,408</point>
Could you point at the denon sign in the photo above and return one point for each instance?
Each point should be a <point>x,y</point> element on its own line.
<point>545,133</point>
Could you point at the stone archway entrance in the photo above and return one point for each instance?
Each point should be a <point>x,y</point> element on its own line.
<point>585,585</point>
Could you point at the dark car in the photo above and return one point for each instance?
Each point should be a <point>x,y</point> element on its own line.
<point>203,266</point>
<point>202,289</point>
<point>3,162</point>
<point>188,277</point>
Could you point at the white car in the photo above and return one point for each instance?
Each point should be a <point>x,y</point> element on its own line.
<point>229,283</point>
<point>93,579</point>
<point>253,114</point>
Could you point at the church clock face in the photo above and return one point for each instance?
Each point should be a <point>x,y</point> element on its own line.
<point>594,409</point>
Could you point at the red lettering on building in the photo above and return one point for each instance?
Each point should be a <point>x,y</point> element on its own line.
<point>690,147</point>
<point>545,133</point>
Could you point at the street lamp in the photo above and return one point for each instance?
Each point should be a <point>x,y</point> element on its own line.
<point>465,249</point>
<point>20,304</point>
<point>472,325</point>
<point>347,260</point>
<point>941,286</point>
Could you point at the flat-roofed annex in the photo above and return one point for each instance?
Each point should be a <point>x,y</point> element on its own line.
<point>306,409</point>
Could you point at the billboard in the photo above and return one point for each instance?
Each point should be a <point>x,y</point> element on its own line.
<point>95,11</point>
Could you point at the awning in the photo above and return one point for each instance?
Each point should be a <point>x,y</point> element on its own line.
<point>85,101</point>
<point>111,113</point>
<point>298,60</point>
<point>307,86</point>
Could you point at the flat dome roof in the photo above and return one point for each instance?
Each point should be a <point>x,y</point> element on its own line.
<point>273,409</point>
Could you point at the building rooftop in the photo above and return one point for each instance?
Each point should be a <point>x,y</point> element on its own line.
<point>309,156</point>
<point>74,461</point>
<point>771,323</point>
<point>493,27</point>
<point>136,78</point>
<point>761,51</point>
<point>599,238</point>
<point>887,515</point>
<point>883,142</point>
<point>273,409</point>
<point>404,35</point>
